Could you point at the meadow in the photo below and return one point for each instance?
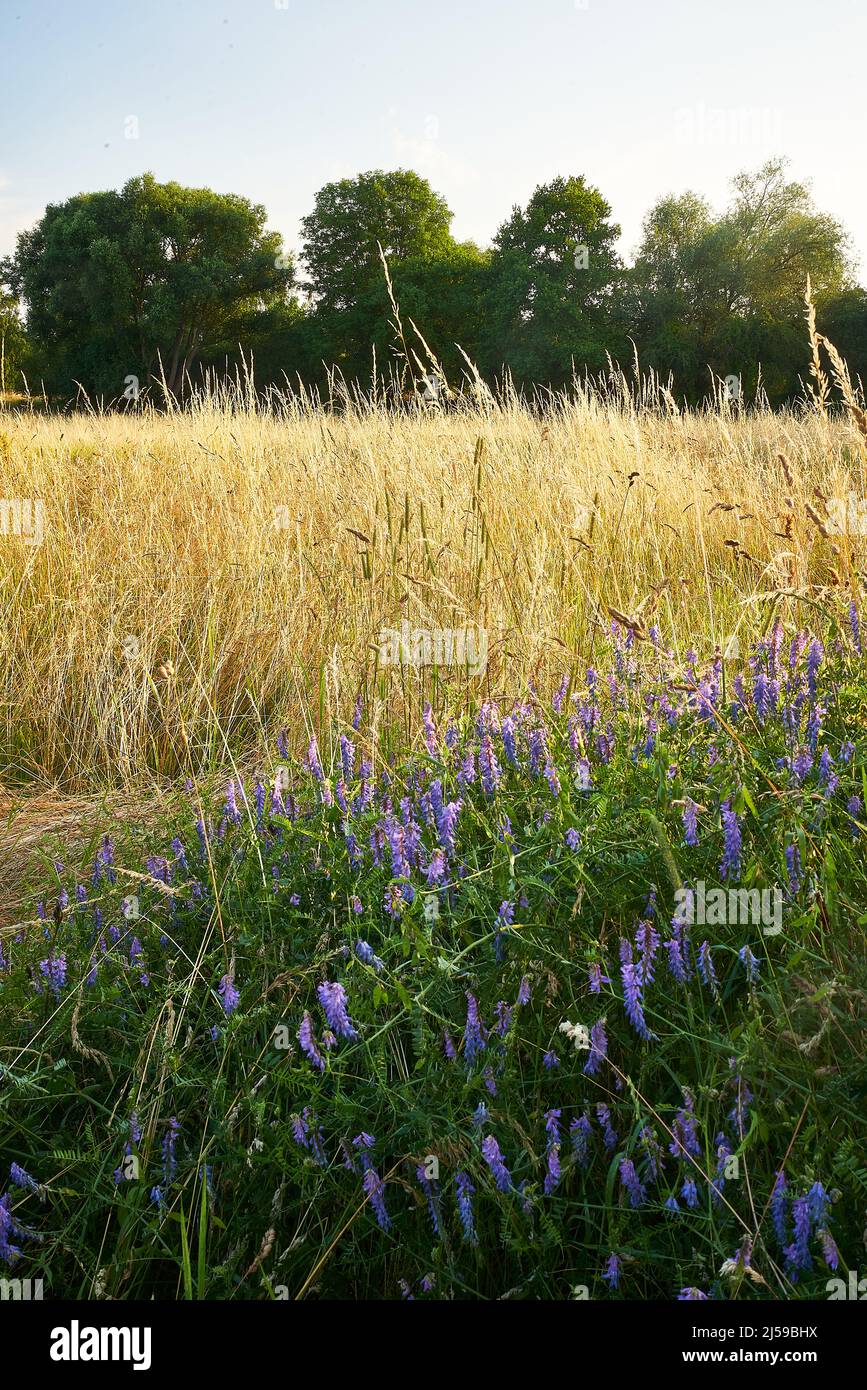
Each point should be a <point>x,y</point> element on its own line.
<point>328,976</point>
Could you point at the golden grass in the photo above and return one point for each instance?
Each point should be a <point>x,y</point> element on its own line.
<point>37,826</point>
<point>260,552</point>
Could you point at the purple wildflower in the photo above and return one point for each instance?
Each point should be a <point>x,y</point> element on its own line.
<point>595,978</point>
<point>365,952</point>
<point>489,768</point>
<point>793,864</point>
<point>474,1031</point>
<point>647,941</point>
<point>54,971</point>
<point>431,1191</point>
<point>347,757</point>
<point>797,1254</point>
<point>815,655</point>
<point>855,813</point>
<point>507,733</point>
<point>731,861</point>
<point>494,1159</point>
<point>552,1128</point>
<point>551,778</point>
<point>818,1203</point>
<point>581,1132</point>
<point>724,1153</point>
<point>332,997</point>
<point>739,1113</point>
<point>830,1253</point>
<point>612,1272</point>
<point>855,626</point>
<point>308,1042</point>
<point>689,1193</point>
<point>683,1128</point>
<point>706,969</point>
<point>8,1227</point>
<point>465,1206</point>
<point>609,1134</point>
<point>598,1048</point>
<point>21,1178</point>
<point>504,1018</point>
<point>632,991</point>
<point>231,996</point>
<point>169,1163</point>
<point>373,1185</point>
<point>630,1181</point>
<point>653,1152</point>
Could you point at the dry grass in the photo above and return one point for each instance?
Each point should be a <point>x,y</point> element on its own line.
<point>260,553</point>
<point>38,826</point>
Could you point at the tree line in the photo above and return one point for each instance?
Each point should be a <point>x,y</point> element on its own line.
<point>157,282</point>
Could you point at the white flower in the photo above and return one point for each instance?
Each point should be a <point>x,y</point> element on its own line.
<point>577,1034</point>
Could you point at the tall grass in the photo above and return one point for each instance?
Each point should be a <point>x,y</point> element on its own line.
<point>261,547</point>
<point>674,696</point>
<point>188,1127</point>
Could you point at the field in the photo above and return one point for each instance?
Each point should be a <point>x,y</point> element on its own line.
<point>262,556</point>
<point>534,974</point>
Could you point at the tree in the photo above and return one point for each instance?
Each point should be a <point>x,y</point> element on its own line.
<point>726,292</point>
<point>443,297</point>
<point>778,237</point>
<point>843,319</point>
<point>553,274</point>
<point>398,210</point>
<point>680,289</point>
<point>274,341</point>
<point>142,282</point>
<point>13,346</point>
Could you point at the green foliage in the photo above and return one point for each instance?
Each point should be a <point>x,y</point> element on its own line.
<point>141,282</point>
<point>163,279</point>
<point>443,296</point>
<point>14,347</point>
<point>545,312</point>
<point>725,294</point>
<point>279,1165</point>
<point>397,210</point>
<point>843,319</point>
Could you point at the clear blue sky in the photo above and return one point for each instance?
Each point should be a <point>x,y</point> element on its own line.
<point>486,98</point>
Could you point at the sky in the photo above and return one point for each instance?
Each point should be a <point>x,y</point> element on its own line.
<point>485,98</point>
